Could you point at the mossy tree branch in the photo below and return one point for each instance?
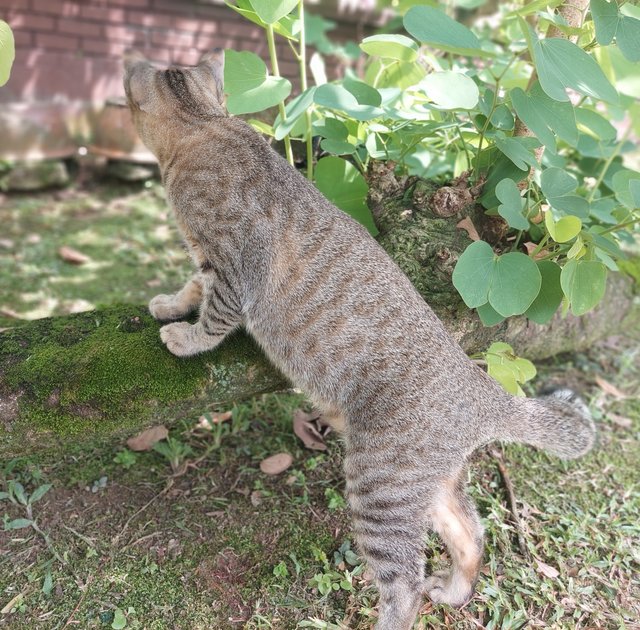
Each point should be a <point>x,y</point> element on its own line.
<point>106,372</point>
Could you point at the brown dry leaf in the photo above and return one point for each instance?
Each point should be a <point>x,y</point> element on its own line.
<point>144,441</point>
<point>207,421</point>
<point>610,389</point>
<point>621,421</point>
<point>276,464</point>
<point>256,498</point>
<point>72,256</point>
<point>467,225</point>
<point>304,428</point>
<point>547,570</point>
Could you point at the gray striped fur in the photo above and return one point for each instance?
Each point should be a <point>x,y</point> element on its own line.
<point>337,316</point>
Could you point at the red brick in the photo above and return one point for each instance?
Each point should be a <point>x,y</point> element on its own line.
<point>103,48</point>
<point>240,29</point>
<point>23,39</point>
<point>139,3</point>
<point>27,22</point>
<point>195,25</point>
<point>58,42</point>
<point>172,38</point>
<point>207,42</point>
<point>78,27</point>
<point>150,19</point>
<point>56,7</point>
<point>19,4</point>
<point>103,14</point>
<point>124,34</point>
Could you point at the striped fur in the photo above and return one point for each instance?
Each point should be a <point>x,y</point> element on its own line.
<point>336,315</point>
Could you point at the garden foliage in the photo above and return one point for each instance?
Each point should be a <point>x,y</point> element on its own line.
<point>441,99</point>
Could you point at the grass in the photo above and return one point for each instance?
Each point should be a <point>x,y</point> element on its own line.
<point>209,541</point>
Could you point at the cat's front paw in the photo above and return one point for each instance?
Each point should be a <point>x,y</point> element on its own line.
<point>179,340</point>
<point>445,587</point>
<point>163,307</point>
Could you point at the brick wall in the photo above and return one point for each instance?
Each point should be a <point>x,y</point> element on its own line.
<point>70,50</point>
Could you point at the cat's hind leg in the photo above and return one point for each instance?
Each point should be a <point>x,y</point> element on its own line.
<point>386,488</point>
<point>184,302</point>
<point>219,315</point>
<point>454,517</point>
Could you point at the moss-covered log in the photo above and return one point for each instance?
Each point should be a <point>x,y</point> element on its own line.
<point>106,372</point>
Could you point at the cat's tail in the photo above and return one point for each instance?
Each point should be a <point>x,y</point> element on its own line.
<point>559,422</point>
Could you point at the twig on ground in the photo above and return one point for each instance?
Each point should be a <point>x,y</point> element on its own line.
<point>75,610</point>
<point>498,458</point>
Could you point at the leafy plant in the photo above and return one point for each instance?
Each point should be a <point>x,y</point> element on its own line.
<point>175,451</point>
<point>7,51</point>
<point>125,458</point>
<point>526,114</point>
<point>510,370</point>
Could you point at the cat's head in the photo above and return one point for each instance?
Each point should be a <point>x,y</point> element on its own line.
<point>158,98</point>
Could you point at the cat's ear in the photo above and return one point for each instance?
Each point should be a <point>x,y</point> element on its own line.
<point>136,75</point>
<point>213,61</point>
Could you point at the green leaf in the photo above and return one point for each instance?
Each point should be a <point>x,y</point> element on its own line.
<point>516,150</point>
<point>500,168</point>
<point>397,47</point>
<point>386,73</point>
<point>583,283</point>
<point>7,51</point>
<point>622,187</point>
<point>342,183</point>
<point>564,229</point>
<point>119,620</point>
<point>610,23</point>
<point>512,204</point>
<point>472,274</point>
<point>544,116</point>
<point>248,84</point>
<point>451,90</point>
<point>295,109</point>
<point>338,97</point>
<point>434,27</point>
<point>628,38</point>
<point>338,147</point>
<point>558,187</point>
<point>547,301</point>
<point>39,492</point>
<point>331,128</point>
<point>489,316</point>
<point>595,125</point>
<point>364,94</point>
<point>18,492</point>
<point>515,283</point>
<point>270,11</point>
<point>17,523</point>
<point>47,584</point>
<point>284,27</point>
<point>561,65</point>
<point>605,17</point>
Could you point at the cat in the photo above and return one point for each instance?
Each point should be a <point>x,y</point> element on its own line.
<point>336,315</point>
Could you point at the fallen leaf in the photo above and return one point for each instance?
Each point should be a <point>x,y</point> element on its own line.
<point>303,427</point>
<point>276,464</point>
<point>620,421</point>
<point>72,256</point>
<point>467,225</point>
<point>610,389</point>
<point>531,247</point>
<point>207,421</point>
<point>547,570</point>
<point>256,498</point>
<point>144,441</point>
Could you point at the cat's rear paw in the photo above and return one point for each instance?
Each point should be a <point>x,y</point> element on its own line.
<point>163,307</point>
<point>443,587</point>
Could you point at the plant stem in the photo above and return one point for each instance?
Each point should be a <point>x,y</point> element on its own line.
<point>275,70</point>
<point>302,60</point>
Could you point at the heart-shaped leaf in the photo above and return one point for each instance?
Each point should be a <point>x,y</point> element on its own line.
<point>451,90</point>
<point>398,47</point>
<point>583,283</point>
<point>270,11</point>
<point>563,229</point>
<point>7,51</point>
<point>558,187</point>
<point>548,300</point>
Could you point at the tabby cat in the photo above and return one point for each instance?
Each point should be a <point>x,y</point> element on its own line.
<point>339,318</point>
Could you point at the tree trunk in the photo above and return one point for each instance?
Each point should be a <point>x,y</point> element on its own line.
<point>106,372</point>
